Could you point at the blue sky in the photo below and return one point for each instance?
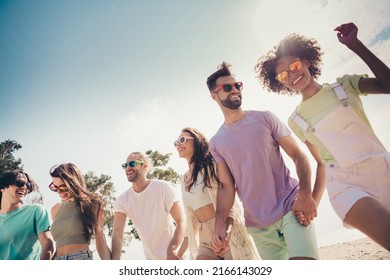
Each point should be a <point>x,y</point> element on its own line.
<point>90,81</point>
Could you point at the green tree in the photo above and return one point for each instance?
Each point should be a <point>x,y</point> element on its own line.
<point>103,186</point>
<point>160,170</point>
<point>7,159</point>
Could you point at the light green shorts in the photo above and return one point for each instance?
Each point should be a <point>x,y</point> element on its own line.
<point>285,239</point>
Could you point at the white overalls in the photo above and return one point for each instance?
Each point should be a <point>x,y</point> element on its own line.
<point>362,163</point>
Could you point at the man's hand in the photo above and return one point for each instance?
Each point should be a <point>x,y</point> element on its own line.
<point>304,209</point>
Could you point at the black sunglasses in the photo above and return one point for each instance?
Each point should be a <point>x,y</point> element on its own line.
<point>22,183</point>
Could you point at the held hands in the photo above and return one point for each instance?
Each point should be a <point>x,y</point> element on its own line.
<point>304,209</point>
<point>220,240</point>
<point>347,34</point>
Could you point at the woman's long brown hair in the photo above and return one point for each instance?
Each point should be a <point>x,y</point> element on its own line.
<point>89,205</point>
<point>202,160</point>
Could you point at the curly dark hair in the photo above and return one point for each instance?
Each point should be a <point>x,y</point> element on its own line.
<point>202,159</point>
<point>294,45</point>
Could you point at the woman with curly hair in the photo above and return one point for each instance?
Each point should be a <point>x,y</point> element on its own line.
<point>77,218</point>
<point>331,121</point>
<point>199,188</point>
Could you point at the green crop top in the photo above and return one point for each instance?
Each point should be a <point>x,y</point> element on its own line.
<point>68,228</point>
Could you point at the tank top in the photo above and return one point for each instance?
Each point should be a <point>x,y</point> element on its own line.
<point>197,197</point>
<point>68,227</point>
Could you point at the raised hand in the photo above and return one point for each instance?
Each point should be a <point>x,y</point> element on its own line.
<point>347,33</point>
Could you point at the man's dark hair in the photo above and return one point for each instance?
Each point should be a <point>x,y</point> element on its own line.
<point>9,177</point>
<point>223,70</point>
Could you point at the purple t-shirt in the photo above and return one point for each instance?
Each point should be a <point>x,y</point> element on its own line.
<point>250,149</point>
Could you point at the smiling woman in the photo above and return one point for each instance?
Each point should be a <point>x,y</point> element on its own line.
<point>78,217</point>
<point>349,143</point>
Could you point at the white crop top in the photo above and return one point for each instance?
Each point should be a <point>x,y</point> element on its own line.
<point>197,197</point>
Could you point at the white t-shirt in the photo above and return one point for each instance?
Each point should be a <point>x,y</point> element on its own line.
<point>149,212</point>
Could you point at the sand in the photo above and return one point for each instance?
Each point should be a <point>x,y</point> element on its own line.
<point>361,249</point>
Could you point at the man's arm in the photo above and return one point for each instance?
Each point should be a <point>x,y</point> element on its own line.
<point>178,236</point>
<point>47,244</point>
<point>304,202</point>
<point>183,248</point>
<point>117,235</point>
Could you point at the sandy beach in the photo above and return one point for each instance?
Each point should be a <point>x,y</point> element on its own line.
<point>361,249</point>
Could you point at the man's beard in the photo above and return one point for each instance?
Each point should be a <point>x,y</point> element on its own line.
<point>227,103</point>
<point>133,178</point>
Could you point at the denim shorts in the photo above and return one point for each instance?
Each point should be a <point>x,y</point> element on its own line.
<point>79,255</point>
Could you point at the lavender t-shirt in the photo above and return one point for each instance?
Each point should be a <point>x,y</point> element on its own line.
<point>250,149</point>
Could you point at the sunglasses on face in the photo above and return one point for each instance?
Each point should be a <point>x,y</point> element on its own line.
<point>229,87</point>
<point>131,163</point>
<point>182,140</point>
<point>55,188</point>
<point>22,183</point>
<point>285,75</point>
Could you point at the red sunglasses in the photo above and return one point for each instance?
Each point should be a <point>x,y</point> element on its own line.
<point>229,87</point>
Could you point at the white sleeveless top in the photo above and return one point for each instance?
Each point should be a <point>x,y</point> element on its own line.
<point>197,197</point>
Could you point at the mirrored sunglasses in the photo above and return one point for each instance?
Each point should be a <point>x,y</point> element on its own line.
<point>182,140</point>
<point>55,188</point>
<point>293,67</point>
<point>131,163</point>
<point>22,183</point>
<point>229,87</point>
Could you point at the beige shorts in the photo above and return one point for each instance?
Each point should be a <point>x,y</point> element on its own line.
<point>346,186</point>
<point>206,232</point>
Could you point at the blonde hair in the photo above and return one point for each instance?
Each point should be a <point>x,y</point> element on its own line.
<point>143,157</point>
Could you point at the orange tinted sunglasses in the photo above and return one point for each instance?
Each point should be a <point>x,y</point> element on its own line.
<point>55,188</point>
<point>285,74</point>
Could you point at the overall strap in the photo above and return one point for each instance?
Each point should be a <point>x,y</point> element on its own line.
<point>304,125</point>
<point>341,95</point>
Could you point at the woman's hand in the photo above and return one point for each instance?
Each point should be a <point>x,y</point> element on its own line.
<point>347,34</point>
